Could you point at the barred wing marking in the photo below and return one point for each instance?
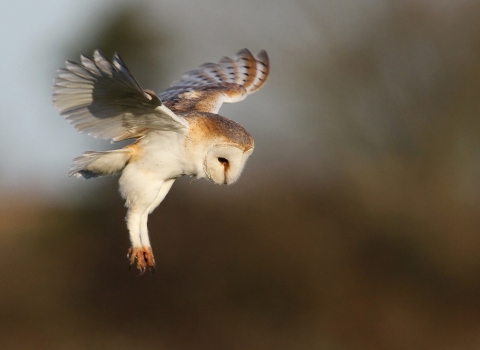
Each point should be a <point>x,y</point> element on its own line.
<point>205,89</point>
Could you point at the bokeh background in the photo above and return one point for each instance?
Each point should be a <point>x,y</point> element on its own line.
<point>355,224</point>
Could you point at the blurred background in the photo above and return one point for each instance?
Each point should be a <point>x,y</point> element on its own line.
<point>355,224</point>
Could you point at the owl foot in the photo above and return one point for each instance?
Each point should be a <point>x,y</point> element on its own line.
<point>144,258</point>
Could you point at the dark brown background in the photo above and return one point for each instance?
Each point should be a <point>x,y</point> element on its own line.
<point>361,230</point>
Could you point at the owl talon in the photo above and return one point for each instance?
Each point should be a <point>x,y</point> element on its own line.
<point>144,258</point>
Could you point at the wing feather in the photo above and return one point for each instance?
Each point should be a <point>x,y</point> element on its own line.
<point>205,89</point>
<point>103,99</point>
<point>228,66</point>
<point>248,66</point>
<point>262,70</point>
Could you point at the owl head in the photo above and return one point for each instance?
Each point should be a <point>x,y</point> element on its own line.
<point>222,145</point>
<point>224,163</point>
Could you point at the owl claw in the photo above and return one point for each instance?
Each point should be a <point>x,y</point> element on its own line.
<point>144,258</point>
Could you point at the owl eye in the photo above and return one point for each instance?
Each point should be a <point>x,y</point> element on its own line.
<point>223,161</point>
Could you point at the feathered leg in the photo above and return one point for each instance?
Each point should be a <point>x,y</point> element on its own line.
<point>144,238</point>
<point>143,220</point>
<point>140,193</point>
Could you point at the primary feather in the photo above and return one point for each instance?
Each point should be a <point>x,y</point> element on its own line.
<point>212,84</point>
<point>103,99</point>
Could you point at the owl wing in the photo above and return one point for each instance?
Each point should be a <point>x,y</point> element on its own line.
<point>104,100</point>
<point>205,89</point>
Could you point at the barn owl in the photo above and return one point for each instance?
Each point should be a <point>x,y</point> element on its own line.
<point>175,133</point>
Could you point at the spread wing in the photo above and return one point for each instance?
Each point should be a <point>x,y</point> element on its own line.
<point>104,100</point>
<point>208,87</point>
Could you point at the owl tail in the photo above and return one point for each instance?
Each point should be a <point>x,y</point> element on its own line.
<point>95,164</point>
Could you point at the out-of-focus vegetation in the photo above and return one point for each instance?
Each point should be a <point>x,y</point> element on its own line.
<point>376,247</point>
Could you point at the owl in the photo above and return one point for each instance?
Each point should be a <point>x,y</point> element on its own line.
<point>173,134</point>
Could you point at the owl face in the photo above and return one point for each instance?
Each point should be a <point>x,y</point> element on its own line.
<point>224,163</point>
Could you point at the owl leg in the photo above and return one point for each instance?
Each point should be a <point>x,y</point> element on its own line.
<point>140,195</point>
<point>144,238</point>
<point>141,252</point>
<point>143,220</point>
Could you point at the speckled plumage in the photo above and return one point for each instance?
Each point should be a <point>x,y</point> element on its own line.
<point>176,133</point>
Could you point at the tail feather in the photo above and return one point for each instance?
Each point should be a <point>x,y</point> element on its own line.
<point>95,164</point>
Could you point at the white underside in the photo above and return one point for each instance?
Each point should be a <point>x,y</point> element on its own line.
<point>146,180</point>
